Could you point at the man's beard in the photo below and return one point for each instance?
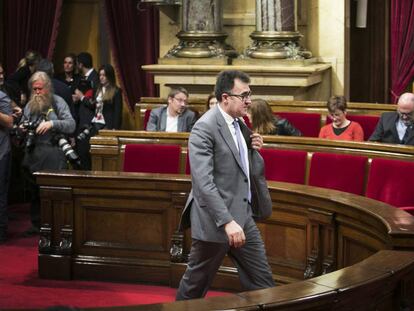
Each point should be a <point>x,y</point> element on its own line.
<point>39,103</point>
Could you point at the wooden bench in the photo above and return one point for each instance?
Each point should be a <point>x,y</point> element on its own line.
<point>120,226</point>
<point>199,105</point>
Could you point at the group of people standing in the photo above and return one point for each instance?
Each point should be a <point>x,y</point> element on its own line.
<point>49,112</point>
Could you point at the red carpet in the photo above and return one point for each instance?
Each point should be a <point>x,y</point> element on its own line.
<point>21,288</point>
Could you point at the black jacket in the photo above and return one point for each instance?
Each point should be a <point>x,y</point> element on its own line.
<point>285,128</point>
<point>386,130</point>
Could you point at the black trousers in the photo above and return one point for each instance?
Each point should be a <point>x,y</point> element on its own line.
<point>206,257</point>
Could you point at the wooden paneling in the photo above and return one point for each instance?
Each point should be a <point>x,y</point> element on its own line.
<point>120,226</point>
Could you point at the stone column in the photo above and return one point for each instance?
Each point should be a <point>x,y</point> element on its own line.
<point>201,34</point>
<point>276,34</point>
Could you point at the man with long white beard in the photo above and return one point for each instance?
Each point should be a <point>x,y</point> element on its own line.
<point>45,116</point>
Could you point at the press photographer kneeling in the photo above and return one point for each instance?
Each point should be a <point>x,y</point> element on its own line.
<point>46,119</point>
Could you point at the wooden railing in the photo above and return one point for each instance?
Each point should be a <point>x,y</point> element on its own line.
<point>120,226</point>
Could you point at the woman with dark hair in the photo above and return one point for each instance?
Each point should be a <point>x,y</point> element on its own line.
<point>341,128</point>
<point>211,101</point>
<point>108,101</point>
<point>266,123</point>
<point>69,75</point>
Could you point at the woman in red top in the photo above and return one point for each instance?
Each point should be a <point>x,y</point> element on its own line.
<point>341,128</point>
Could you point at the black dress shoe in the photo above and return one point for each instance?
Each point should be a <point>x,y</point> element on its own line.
<point>33,230</point>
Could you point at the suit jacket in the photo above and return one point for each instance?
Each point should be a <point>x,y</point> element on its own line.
<point>386,130</point>
<point>219,184</point>
<point>112,111</point>
<point>158,120</point>
<point>84,111</point>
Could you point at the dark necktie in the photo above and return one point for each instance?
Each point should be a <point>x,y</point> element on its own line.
<point>407,133</point>
<point>242,152</point>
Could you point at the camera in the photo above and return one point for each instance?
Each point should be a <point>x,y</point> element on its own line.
<point>84,133</point>
<point>67,149</point>
<point>30,135</point>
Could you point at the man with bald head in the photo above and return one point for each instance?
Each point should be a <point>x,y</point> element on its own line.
<point>397,127</point>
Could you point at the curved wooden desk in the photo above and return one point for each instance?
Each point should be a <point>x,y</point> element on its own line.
<point>120,226</point>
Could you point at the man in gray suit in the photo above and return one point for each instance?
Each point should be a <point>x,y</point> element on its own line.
<point>175,117</point>
<point>229,190</point>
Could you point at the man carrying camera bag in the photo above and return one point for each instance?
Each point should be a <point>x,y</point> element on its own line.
<point>45,116</point>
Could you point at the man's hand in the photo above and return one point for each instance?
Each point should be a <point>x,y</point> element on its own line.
<point>77,96</point>
<point>257,141</point>
<point>44,127</point>
<point>235,234</point>
<point>17,112</point>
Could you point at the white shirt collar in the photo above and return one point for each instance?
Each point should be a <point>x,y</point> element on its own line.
<point>228,118</point>
<point>88,73</point>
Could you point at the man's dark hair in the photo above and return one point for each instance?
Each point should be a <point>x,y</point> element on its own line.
<point>45,65</point>
<point>85,59</point>
<point>225,81</point>
<point>177,90</point>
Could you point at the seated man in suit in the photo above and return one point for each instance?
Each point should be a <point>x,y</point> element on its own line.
<point>397,127</point>
<point>175,117</point>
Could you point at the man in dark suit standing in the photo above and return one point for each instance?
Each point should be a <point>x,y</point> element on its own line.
<point>84,111</point>
<point>175,117</point>
<point>228,191</point>
<point>397,127</point>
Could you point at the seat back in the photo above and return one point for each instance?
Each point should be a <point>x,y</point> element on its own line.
<point>285,165</point>
<point>308,123</point>
<point>338,171</point>
<point>368,123</point>
<point>391,181</point>
<point>151,158</point>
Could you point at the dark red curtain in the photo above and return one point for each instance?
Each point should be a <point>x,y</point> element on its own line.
<point>134,37</point>
<point>402,46</point>
<point>29,25</point>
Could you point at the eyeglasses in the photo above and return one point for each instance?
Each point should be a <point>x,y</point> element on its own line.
<point>37,89</point>
<point>243,97</point>
<point>180,100</point>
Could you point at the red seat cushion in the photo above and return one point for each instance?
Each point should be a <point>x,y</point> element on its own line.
<point>308,123</point>
<point>368,123</point>
<point>149,158</point>
<point>391,181</point>
<point>285,165</point>
<point>146,118</point>
<point>187,165</point>
<point>338,171</point>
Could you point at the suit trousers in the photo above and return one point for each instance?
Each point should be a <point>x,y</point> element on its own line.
<point>206,257</point>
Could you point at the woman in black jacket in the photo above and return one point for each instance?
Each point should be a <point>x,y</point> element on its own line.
<point>265,122</point>
<point>108,101</point>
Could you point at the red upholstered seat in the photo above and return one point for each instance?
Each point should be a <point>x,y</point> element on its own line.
<point>146,118</point>
<point>150,158</point>
<point>247,122</point>
<point>368,123</point>
<point>391,181</point>
<point>187,165</point>
<point>285,165</point>
<point>338,171</point>
<point>308,123</point>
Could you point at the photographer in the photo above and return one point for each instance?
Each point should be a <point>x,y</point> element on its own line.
<point>6,122</point>
<point>45,116</point>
